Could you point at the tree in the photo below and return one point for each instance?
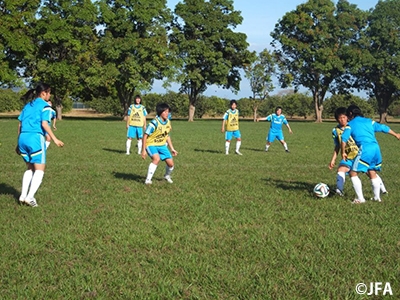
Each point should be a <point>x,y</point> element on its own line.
<point>379,72</point>
<point>316,47</point>
<point>15,43</point>
<point>211,52</point>
<point>260,74</point>
<point>62,36</point>
<point>134,44</point>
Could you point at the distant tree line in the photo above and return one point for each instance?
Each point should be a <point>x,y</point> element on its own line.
<point>106,51</point>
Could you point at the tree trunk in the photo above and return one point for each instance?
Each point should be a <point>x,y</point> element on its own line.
<point>383,117</point>
<point>192,109</point>
<point>59,112</point>
<point>255,114</point>
<point>318,109</point>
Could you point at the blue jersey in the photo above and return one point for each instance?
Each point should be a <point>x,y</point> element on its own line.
<point>363,131</point>
<point>33,114</point>
<point>276,121</point>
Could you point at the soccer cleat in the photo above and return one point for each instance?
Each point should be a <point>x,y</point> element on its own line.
<point>287,150</point>
<point>266,149</point>
<point>385,193</point>
<point>373,199</point>
<point>31,202</point>
<point>356,201</point>
<point>127,153</point>
<point>168,178</point>
<point>226,153</point>
<point>148,182</point>
<point>238,153</point>
<point>339,193</point>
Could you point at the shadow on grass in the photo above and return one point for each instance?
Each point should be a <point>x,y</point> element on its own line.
<point>208,151</point>
<point>114,150</point>
<point>130,176</point>
<point>5,189</point>
<point>253,149</point>
<point>296,185</point>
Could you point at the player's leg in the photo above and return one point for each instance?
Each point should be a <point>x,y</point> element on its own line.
<point>152,151</point>
<point>270,139</point>
<point>129,136</point>
<point>237,135</point>
<point>228,138</point>
<point>48,140</point>
<point>166,156</point>
<point>357,168</point>
<point>282,140</point>
<point>139,134</point>
<point>26,182</point>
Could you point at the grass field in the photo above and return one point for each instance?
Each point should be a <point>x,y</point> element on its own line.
<point>229,227</point>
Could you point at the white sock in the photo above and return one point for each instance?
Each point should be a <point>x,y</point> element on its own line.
<point>238,144</point>
<point>139,145</point>
<point>285,146</point>
<point>227,144</point>
<point>376,187</point>
<point>35,183</point>
<point>358,187</point>
<point>47,144</point>
<point>340,179</point>
<point>168,171</point>
<point>128,145</point>
<point>150,171</point>
<point>383,188</point>
<point>26,182</point>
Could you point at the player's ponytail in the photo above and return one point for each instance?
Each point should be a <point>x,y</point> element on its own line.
<point>34,93</point>
<point>354,111</point>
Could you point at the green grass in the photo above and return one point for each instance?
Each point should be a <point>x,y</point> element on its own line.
<point>243,227</point>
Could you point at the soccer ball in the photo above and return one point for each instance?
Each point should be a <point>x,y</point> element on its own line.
<point>321,190</point>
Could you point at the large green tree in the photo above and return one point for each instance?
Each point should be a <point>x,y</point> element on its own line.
<point>314,45</point>
<point>210,50</point>
<point>15,44</point>
<point>62,36</point>
<point>379,72</point>
<point>260,74</point>
<point>134,44</point>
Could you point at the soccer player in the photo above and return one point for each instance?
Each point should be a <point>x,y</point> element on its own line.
<point>351,151</point>
<point>135,124</point>
<point>231,120</point>
<point>275,131</point>
<point>155,141</point>
<point>33,124</point>
<point>53,117</point>
<point>369,157</point>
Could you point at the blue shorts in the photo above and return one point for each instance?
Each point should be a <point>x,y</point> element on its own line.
<point>272,135</point>
<point>162,151</point>
<point>230,134</point>
<point>369,158</point>
<point>32,147</point>
<point>347,163</point>
<point>135,132</point>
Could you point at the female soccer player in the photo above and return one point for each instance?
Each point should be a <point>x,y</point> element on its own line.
<point>33,124</point>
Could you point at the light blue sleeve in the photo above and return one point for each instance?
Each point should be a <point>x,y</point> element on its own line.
<point>378,127</point>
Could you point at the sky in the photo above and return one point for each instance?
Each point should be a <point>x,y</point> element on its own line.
<point>259,19</point>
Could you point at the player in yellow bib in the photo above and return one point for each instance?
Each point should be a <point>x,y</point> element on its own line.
<point>155,140</point>
<point>351,150</point>
<point>230,122</point>
<point>135,124</point>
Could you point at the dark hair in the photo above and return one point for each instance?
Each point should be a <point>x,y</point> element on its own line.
<point>278,107</point>
<point>161,107</point>
<point>340,111</point>
<point>232,102</point>
<point>138,97</point>
<point>354,111</point>
<point>33,93</point>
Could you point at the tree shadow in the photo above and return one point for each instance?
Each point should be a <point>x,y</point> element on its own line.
<point>114,150</point>
<point>130,176</point>
<point>6,189</point>
<point>208,151</point>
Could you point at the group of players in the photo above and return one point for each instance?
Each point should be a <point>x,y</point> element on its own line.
<point>354,137</point>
